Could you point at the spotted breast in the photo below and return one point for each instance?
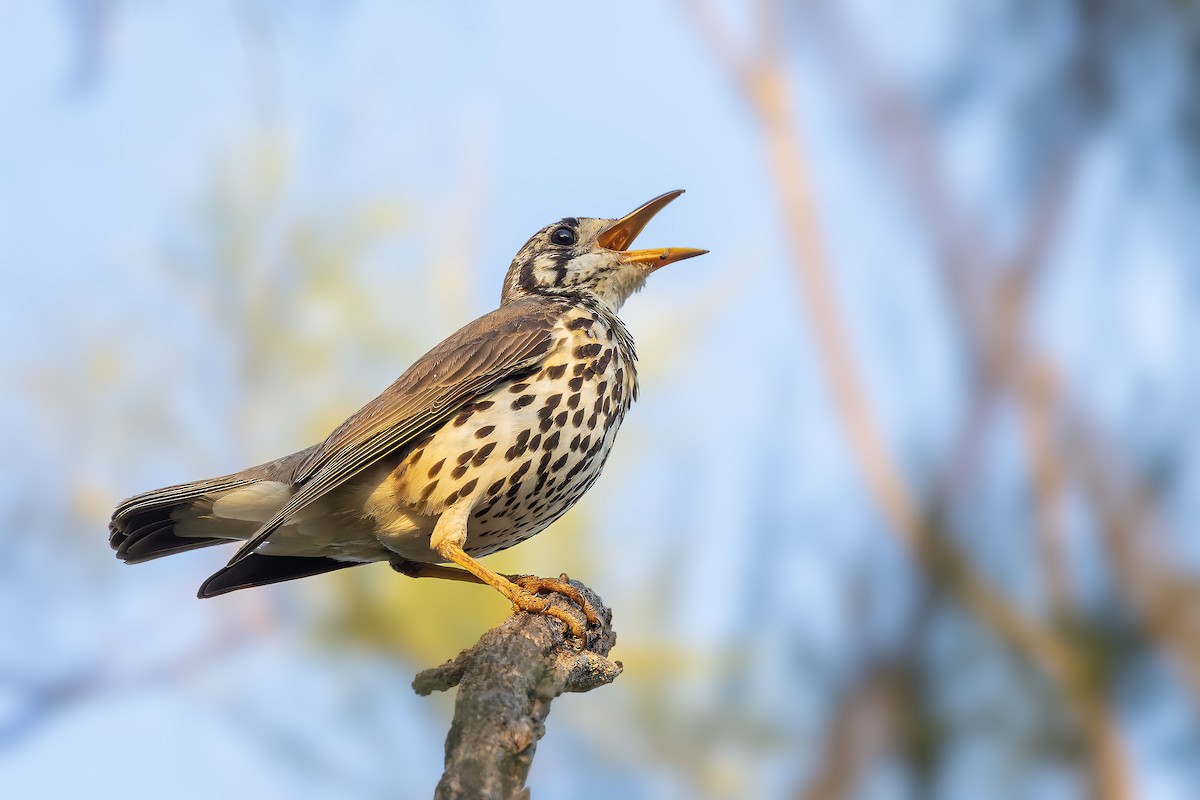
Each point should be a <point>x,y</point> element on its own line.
<point>524,453</point>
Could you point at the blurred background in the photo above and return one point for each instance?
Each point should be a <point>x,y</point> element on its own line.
<point>907,509</point>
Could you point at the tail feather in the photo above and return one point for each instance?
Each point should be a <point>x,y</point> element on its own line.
<point>157,540</point>
<point>143,527</point>
<point>187,516</point>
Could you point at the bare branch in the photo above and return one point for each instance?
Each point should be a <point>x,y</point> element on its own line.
<point>505,685</point>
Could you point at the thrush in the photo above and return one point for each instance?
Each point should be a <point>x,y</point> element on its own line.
<point>482,443</point>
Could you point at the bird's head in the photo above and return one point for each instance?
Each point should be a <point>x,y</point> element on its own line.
<point>591,258</point>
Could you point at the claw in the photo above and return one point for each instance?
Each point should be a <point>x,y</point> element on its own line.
<point>560,585</point>
<point>525,600</point>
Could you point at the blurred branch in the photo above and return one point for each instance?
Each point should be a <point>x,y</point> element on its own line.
<point>1035,396</point>
<point>993,335</point>
<point>506,683</point>
<point>765,86</point>
<point>768,93</point>
<point>863,728</point>
<point>1062,445</point>
<point>1167,603</point>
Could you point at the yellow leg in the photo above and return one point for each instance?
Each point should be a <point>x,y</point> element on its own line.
<point>530,583</point>
<point>521,590</point>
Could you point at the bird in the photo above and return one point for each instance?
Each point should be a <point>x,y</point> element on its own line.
<point>483,442</point>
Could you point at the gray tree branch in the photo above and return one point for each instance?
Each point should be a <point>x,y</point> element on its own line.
<point>506,682</point>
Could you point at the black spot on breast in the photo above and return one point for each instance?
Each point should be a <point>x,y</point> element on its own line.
<point>587,440</point>
<point>428,490</point>
<point>459,471</point>
<point>484,431</point>
<point>551,441</point>
<point>535,441</point>
<point>517,388</point>
<point>575,383</point>
<point>573,401</point>
<point>561,419</point>
<point>519,446</point>
<point>468,486</point>
<point>515,478</point>
<point>556,372</point>
<point>603,362</point>
<point>462,418</point>
<point>579,323</point>
<point>601,387</point>
<point>575,470</point>
<point>592,421</point>
<point>552,401</point>
<point>578,368</point>
<point>483,454</point>
<point>451,498</point>
<point>522,401</point>
<point>436,468</point>
<point>484,405</point>
<point>588,350</point>
<point>545,424</point>
<point>495,488</point>
<point>577,420</point>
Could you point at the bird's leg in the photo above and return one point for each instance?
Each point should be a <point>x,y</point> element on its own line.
<point>530,583</point>
<point>521,598</point>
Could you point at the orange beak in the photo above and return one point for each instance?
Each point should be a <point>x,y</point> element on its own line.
<point>622,233</point>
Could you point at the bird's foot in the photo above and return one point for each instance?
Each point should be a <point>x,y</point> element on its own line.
<point>532,586</point>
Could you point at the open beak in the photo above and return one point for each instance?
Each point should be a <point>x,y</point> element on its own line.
<point>622,233</point>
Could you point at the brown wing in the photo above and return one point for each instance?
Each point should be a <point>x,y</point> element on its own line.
<point>512,340</point>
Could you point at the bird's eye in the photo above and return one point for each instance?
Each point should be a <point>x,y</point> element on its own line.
<point>563,236</point>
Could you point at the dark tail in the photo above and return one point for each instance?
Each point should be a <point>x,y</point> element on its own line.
<point>143,527</point>
<point>180,518</point>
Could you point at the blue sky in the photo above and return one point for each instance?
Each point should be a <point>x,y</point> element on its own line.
<point>475,124</point>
